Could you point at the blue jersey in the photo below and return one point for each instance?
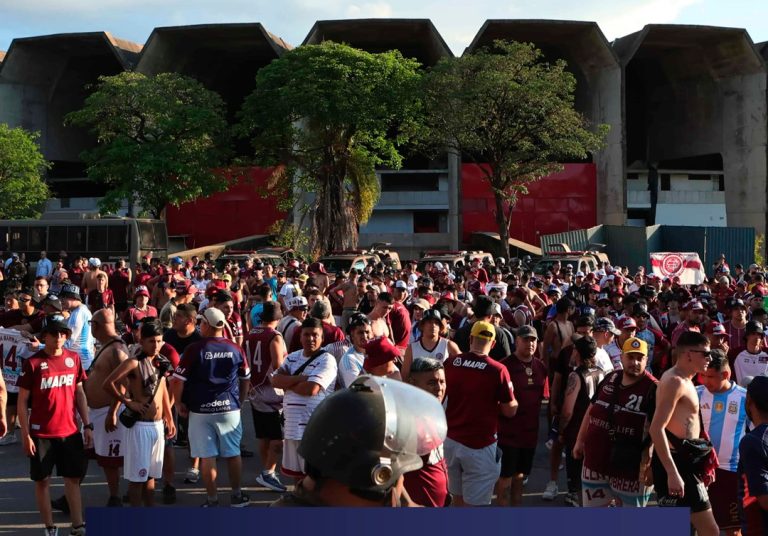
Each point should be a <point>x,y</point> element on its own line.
<point>81,341</point>
<point>212,369</point>
<point>725,419</point>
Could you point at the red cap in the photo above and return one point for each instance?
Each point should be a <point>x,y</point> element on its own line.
<point>448,296</point>
<point>379,352</point>
<point>716,328</point>
<point>626,322</point>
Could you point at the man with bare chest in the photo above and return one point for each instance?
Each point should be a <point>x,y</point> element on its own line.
<point>90,277</point>
<point>677,478</point>
<point>350,299</point>
<point>146,396</point>
<point>108,433</point>
<point>379,316</point>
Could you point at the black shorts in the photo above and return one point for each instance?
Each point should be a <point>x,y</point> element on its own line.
<point>66,454</point>
<point>695,495</point>
<point>267,425</point>
<point>12,398</point>
<point>516,461</point>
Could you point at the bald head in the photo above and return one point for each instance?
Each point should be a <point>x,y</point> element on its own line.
<point>103,324</point>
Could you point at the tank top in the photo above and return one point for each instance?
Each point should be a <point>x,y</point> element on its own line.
<point>589,378</point>
<point>258,352</point>
<point>439,352</point>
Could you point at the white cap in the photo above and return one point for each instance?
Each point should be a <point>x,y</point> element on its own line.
<point>296,303</point>
<point>94,261</point>
<point>214,318</point>
<point>401,284</point>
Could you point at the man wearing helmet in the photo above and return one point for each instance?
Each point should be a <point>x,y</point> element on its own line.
<point>360,442</point>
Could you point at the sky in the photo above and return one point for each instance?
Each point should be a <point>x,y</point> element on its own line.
<point>456,20</point>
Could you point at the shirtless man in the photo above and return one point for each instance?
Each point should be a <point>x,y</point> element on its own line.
<point>90,277</point>
<point>351,299</point>
<point>379,321</point>
<point>559,330</point>
<point>677,418</point>
<point>108,433</point>
<point>146,394</point>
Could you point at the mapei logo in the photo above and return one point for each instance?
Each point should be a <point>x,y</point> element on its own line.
<point>57,381</point>
<point>43,366</point>
<point>457,362</point>
<point>217,355</point>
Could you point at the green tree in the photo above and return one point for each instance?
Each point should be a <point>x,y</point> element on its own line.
<point>507,110</point>
<point>23,190</point>
<point>326,115</point>
<point>159,139</point>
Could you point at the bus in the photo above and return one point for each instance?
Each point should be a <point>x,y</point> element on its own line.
<point>108,238</point>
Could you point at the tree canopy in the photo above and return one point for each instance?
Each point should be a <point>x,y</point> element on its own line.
<point>23,190</point>
<point>159,139</point>
<point>326,115</point>
<point>512,113</point>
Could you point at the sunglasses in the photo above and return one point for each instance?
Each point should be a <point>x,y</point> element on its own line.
<point>704,353</point>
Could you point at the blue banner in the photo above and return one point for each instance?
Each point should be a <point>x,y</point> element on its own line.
<point>386,522</point>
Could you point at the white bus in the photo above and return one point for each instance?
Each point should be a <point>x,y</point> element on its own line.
<point>109,238</point>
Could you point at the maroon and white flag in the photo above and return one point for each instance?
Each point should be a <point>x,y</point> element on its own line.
<point>686,266</point>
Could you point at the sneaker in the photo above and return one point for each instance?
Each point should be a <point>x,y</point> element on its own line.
<point>209,504</point>
<point>169,494</point>
<point>240,501</point>
<point>78,531</point>
<point>572,499</point>
<point>114,502</point>
<point>550,492</point>
<point>9,439</point>
<point>60,504</point>
<point>51,531</point>
<point>192,476</point>
<point>270,481</point>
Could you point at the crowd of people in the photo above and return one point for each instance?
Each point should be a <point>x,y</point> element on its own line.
<point>653,390</point>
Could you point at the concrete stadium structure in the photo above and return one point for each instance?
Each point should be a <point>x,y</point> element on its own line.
<point>686,106</point>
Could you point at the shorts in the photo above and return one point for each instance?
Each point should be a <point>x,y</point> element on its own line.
<point>293,463</point>
<point>267,425</point>
<point>723,494</point>
<point>695,494</point>
<point>516,460</point>
<point>12,398</point>
<point>215,434</point>
<point>472,473</point>
<point>108,446</point>
<point>67,454</point>
<point>144,449</point>
<point>598,490</point>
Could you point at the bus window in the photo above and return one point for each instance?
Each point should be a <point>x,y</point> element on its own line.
<point>57,238</point>
<point>97,238</point>
<point>4,238</point>
<point>152,236</point>
<point>118,238</point>
<point>37,239</point>
<point>19,238</point>
<point>76,241</point>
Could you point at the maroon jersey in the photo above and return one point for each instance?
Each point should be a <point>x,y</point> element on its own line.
<point>258,354</point>
<point>737,338</point>
<point>428,486</point>
<point>236,324</point>
<point>100,300</point>
<point>631,408</point>
<point>133,315</point>
<point>399,321</point>
<point>170,353</point>
<point>118,284</point>
<point>522,430</point>
<point>52,383</point>
<point>475,386</point>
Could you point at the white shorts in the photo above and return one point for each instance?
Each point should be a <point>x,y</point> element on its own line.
<point>293,463</point>
<point>599,490</point>
<point>472,473</point>
<point>143,450</point>
<point>107,445</point>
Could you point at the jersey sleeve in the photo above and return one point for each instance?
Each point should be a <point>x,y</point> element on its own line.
<point>173,356</point>
<point>349,369</point>
<point>81,375</point>
<point>506,389</point>
<point>26,377</point>
<point>324,372</point>
<point>186,363</point>
<point>243,369</point>
<point>753,459</point>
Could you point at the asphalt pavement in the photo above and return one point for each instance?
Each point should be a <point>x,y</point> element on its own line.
<point>18,512</point>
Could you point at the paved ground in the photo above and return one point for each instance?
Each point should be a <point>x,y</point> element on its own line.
<point>18,513</point>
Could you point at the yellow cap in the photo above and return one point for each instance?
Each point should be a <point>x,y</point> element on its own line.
<point>484,330</point>
<point>633,345</point>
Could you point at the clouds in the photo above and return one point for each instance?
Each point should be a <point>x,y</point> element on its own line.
<point>369,10</point>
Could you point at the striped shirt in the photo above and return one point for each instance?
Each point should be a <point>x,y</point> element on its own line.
<point>297,409</point>
<point>338,349</point>
<point>725,418</point>
<point>350,366</point>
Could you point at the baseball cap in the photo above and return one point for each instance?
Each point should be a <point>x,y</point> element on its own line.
<point>484,330</point>
<point>753,326</point>
<point>379,352</point>
<point>185,287</point>
<point>303,278</point>
<point>226,277</point>
<point>94,261</point>
<point>421,303</point>
<point>432,314</point>
<point>717,329</point>
<point>633,345</point>
<point>70,291</point>
<point>298,302</point>
<point>579,274</point>
<point>603,298</point>
<point>141,290</point>
<point>694,305</point>
<point>738,303</point>
<point>177,260</point>
<point>640,310</point>
<point>55,324</point>
<point>553,289</point>
<point>606,324</point>
<point>626,322</point>
<point>527,332</point>
<point>214,318</point>
<point>496,308</point>
<point>401,285</point>
<point>53,301</point>
<point>448,296</point>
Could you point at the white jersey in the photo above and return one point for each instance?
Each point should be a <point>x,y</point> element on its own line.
<point>350,366</point>
<point>297,409</point>
<point>13,349</point>
<point>439,352</point>
<point>750,365</point>
<point>614,352</point>
<point>603,360</point>
<point>287,327</point>
<point>725,419</point>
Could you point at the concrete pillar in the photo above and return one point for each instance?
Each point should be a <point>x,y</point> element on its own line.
<point>454,174</point>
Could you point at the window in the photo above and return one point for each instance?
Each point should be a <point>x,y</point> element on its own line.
<point>37,240</point>
<point>410,182</point>
<point>97,238</point>
<point>430,221</point>
<point>76,239</point>
<point>117,238</point>
<point>19,238</point>
<point>57,238</point>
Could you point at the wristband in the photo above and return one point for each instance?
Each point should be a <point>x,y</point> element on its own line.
<point>88,426</point>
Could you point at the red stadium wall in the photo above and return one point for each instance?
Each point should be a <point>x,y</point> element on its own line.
<point>238,212</point>
<point>558,203</point>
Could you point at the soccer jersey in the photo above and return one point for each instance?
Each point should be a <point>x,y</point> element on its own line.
<point>258,351</point>
<point>439,351</point>
<point>350,366</point>
<point>725,417</point>
<point>748,364</point>
<point>297,408</point>
<point>212,369</point>
<point>52,383</point>
<point>13,349</point>
<point>81,341</point>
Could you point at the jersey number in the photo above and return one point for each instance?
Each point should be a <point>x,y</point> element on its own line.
<point>9,361</point>
<point>595,494</point>
<point>114,450</point>
<point>256,358</point>
<point>634,402</point>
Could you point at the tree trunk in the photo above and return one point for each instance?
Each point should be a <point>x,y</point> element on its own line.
<point>502,222</point>
<point>335,226</point>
